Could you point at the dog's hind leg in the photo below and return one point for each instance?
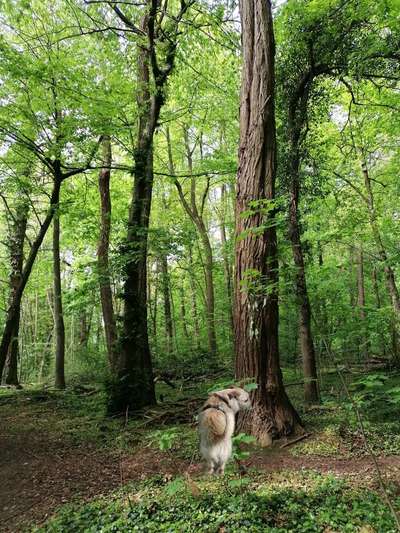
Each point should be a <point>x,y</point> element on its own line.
<point>220,468</point>
<point>210,467</point>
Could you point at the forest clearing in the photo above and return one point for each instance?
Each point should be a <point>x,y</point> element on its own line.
<point>199,261</point>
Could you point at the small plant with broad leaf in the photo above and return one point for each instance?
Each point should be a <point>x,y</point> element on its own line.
<point>164,438</point>
<point>242,438</point>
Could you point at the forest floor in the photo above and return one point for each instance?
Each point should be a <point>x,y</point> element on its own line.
<point>57,449</point>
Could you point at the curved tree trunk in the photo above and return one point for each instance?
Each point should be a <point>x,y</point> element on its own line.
<point>195,213</point>
<point>389,272</point>
<point>296,122</point>
<point>16,250</point>
<point>256,276</point>
<point>13,309</point>
<point>311,393</point>
<point>58,309</point>
<point>106,297</point>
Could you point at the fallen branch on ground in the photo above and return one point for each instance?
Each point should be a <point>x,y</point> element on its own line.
<point>302,437</point>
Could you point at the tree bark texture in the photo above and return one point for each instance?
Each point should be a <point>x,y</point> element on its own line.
<point>133,386</point>
<point>296,121</point>
<point>256,274</point>
<point>16,239</point>
<point>103,264</point>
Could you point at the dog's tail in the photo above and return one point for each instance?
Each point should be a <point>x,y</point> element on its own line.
<point>214,423</point>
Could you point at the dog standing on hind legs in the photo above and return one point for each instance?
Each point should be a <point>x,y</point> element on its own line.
<point>217,425</point>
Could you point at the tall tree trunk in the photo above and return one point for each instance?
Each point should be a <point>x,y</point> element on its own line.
<point>13,309</point>
<point>58,309</point>
<point>311,393</point>
<point>378,304</point>
<point>192,281</point>
<point>106,296</point>
<point>152,304</point>
<point>225,254</point>
<point>183,311</point>
<point>256,274</point>
<point>85,323</point>
<point>17,230</point>
<point>363,337</point>
<point>166,291</point>
<point>389,272</point>
<point>351,276</point>
<point>195,213</point>
<point>133,386</point>
<point>296,121</point>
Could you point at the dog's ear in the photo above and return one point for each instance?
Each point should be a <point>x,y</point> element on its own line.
<point>234,392</point>
<point>222,395</point>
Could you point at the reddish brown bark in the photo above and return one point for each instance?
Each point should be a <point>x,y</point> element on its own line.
<point>256,275</point>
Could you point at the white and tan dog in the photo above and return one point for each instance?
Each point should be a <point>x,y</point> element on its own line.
<point>217,425</point>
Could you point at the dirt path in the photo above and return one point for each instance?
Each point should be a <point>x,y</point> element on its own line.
<point>38,474</point>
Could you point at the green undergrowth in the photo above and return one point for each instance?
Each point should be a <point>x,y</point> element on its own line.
<point>302,502</point>
<point>76,416</point>
<point>334,424</point>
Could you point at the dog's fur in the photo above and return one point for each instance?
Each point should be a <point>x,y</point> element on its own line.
<point>217,425</point>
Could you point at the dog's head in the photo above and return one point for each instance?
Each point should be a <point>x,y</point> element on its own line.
<point>238,398</point>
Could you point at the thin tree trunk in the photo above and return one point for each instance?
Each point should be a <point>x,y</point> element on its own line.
<point>363,338</point>
<point>196,215</point>
<point>311,393</point>
<point>133,385</point>
<point>166,291</point>
<point>351,275</point>
<point>85,322</point>
<point>389,272</point>
<point>296,120</point>
<point>106,296</point>
<point>12,312</point>
<point>155,307</point>
<point>225,255</point>
<point>378,306</point>
<point>183,311</point>
<point>16,249</point>
<point>256,274</point>
<point>58,308</point>
<point>196,325</point>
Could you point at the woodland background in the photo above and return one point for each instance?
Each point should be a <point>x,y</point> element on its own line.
<point>119,136</point>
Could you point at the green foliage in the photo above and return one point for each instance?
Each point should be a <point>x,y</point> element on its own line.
<point>164,438</point>
<point>325,504</point>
